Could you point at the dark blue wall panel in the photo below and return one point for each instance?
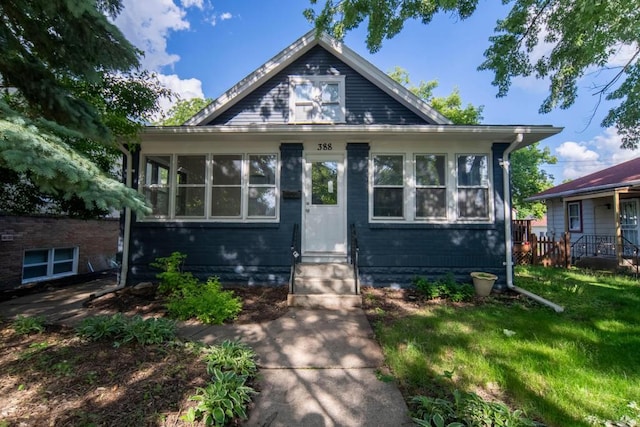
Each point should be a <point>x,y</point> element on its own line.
<point>365,103</point>
<point>235,252</point>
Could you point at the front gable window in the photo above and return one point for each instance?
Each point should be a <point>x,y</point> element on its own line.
<point>316,99</point>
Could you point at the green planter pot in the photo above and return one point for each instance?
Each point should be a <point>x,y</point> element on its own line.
<point>483,282</point>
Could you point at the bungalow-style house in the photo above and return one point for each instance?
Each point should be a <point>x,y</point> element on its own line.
<point>599,210</point>
<point>318,157</point>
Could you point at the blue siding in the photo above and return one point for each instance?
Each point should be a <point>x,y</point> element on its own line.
<point>235,252</point>
<point>365,103</point>
<point>396,253</point>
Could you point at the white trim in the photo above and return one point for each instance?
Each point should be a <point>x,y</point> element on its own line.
<point>287,56</point>
<point>495,133</point>
<point>244,188</point>
<point>409,153</point>
<point>316,81</point>
<point>50,264</point>
<point>490,211</point>
<point>341,158</point>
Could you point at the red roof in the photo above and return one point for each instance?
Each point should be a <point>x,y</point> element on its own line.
<point>622,175</point>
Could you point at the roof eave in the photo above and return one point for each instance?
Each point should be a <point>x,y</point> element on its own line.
<point>584,191</point>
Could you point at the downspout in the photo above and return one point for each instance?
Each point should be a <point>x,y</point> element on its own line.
<point>507,227</point>
<point>124,268</point>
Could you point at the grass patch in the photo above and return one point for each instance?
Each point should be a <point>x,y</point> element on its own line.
<point>561,368</point>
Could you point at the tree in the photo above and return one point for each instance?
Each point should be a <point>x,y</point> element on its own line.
<point>528,178</point>
<point>70,82</point>
<point>183,110</point>
<point>583,36</point>
<point>450,106</point>
<point>117,99</point>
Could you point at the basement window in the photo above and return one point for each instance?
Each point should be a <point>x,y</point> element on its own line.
<point>43,264</point>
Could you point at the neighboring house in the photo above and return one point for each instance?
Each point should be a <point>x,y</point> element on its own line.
<point>599,210</point>
<point>539,226</point>
<point>319,140</point>
<point>41,248</point>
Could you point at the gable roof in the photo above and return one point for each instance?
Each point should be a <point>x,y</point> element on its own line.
<point>625,174</point>
<point>287,56</point>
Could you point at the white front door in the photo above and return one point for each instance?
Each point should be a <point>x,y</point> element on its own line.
<point>324,234</point>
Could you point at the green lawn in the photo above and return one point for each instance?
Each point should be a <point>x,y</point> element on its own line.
<point>563,369</point>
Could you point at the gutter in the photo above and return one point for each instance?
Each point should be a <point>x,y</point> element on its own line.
<point>126,238</point>
<point>505,163</point>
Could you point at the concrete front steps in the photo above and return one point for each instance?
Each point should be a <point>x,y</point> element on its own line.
<point>324,285</point>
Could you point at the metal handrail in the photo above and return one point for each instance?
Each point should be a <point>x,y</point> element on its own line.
<point>355,251</point>
<point>295,254</point>
<point>630,248</point>
<point>604,245</point>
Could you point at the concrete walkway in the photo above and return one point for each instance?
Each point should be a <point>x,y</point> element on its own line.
<point>317,367</point>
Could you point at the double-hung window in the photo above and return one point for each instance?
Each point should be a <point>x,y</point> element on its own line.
<point>155,186</point>
<point>431,188</point>
<point>316,99</point>
<point>212,186</point>
<point>473,187</point>
<point>190,191</point>
<point>574,215</point>
<point>41,264</point>
<point>388,186</point>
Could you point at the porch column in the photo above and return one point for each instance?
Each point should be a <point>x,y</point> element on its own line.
<point>616,215</point>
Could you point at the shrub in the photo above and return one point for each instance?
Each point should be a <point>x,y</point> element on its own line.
<point>466,409</point>
<point>230,364</point>
<point>221,400</point>
<point>188,298</point>
<point>444,288</point>
<point>231,356</point>
<point>24,325</point>
<point>122,329</point>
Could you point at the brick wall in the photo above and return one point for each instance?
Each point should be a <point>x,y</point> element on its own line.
<point>96,240</point>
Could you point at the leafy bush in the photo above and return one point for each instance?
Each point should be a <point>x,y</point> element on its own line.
<point>122,329</point>
<point>24,325</point>
<point>230,364</point>
<point>466,409</point>
<point>222,400</point>
<point>188,298</point>
<point>231,356</point>
<point>444,288</point>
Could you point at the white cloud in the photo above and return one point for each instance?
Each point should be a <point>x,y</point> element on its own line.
<point>584,157</point>
<point>622,55</point>
<point>148,25</point>
<point>184,88</point>
<point>225,16</point>
<point>193,3</point>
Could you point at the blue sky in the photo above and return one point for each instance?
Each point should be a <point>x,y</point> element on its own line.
<point>203,47</point>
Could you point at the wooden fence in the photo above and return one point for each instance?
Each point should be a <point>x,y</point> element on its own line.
<point>543,251</point>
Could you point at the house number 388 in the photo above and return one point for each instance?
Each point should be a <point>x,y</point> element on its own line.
<point>325,146</point>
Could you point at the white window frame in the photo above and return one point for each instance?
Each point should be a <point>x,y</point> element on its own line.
<point>316,81</point>
<point>418,186</point>
<point>483,186</point>
<point>450,186</point>
<point>373,186</point>
<point>208,217</point>
<point>50,264</point>
<point>175,186</point>
<point>579,216</point>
